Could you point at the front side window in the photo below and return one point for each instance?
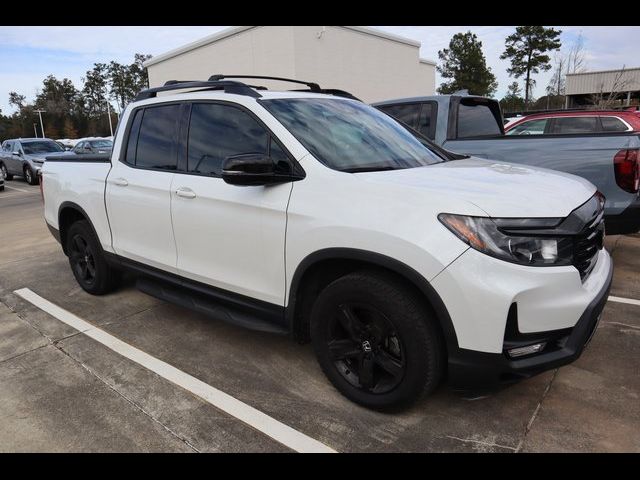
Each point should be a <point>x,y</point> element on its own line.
<point>407,113</point>
<point>41,146</point>
<point>219,131</point>
<point>350,136</point>
<point>532,127</point>
<point>569,125</point>
<point>101,143</point>
<point>157,140</point>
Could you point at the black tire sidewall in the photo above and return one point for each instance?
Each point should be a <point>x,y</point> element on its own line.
<point>103,277</point>
<point>32,181</point>
<point>413,323</point>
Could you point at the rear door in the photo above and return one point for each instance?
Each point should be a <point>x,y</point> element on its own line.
<point>231,237</point>
<point>139,187</point>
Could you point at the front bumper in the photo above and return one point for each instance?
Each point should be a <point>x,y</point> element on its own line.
<point>498,306</point>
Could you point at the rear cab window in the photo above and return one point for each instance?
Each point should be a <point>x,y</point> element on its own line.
<point>419,116</point>
<point>478,118</point>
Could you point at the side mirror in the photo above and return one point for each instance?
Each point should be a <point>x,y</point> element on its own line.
<point>251,169</point>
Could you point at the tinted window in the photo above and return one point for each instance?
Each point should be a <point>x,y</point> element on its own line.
<point>613,124</point>
<point>426,122</point>
<point>532,127</point>
<point>8,146</point>
<point>279,157</point>
<point>157,141</point>
<point>132,141</point>
<point>476,120</point>
<point>101,143</point>
<point>350,136</point>
<point>575,125</point>
<point>41,146</point>
<point>405,113</point>
<point>219,131</point>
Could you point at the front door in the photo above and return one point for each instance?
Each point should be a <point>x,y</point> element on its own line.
<point>231,237</point>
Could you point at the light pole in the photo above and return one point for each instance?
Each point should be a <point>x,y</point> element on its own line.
<point>40,112</point>
<point>109,115</point>
<point>35,130</point>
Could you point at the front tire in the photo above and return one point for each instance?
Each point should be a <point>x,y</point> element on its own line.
<point>4,172</point>
<point>376,341</point>
<point>88,265</point>
<point>29,176</point>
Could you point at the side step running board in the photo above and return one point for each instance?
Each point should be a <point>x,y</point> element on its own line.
<point>205,304</point>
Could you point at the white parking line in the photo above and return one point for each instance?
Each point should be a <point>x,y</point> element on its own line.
<point>264,423</point>
<point>18,189</point>
<point>630,301</point>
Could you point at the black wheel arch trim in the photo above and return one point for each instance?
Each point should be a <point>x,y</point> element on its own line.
<point>380,260</point>
<point>80,210</point>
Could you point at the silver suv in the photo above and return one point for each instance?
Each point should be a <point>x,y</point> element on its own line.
<point>25,156</point>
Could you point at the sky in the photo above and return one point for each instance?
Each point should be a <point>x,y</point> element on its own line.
<point>29,54</point>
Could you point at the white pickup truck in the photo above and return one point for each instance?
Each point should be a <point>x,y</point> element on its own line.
<point>316,215</point>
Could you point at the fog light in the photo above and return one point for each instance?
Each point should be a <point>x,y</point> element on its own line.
<point>528,350</point>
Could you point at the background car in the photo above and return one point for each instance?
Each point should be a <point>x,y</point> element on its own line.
<point>25,156</point>
<point>588,121</point>
<point>93,146</point>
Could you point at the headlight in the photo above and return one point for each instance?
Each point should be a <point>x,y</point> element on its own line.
<point>485,235</point>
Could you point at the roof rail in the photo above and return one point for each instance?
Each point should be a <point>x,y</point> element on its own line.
<point>228,86</point>
<point>313,87</point>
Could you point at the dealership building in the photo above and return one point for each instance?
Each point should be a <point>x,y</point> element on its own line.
<point>582,88</point>
<point>371,64</point>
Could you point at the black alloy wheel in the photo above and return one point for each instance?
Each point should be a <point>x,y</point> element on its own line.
<point>365,348</point>
<point>377,340</point>
<point>82,260</point>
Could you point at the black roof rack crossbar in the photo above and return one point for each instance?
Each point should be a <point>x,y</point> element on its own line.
<point>229,86</point>
<point>314,87</point>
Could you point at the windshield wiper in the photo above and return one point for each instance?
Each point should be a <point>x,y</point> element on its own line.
<point>368,169</point>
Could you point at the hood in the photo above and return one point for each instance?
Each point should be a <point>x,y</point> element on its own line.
<point>499,189</point>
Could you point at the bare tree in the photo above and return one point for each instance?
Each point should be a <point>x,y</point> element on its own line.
<point>607,99</point>
<point>576,58</point>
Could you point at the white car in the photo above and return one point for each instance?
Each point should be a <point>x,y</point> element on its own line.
<point>315,215</point>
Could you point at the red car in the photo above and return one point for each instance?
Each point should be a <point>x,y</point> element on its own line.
<point>576,122</point>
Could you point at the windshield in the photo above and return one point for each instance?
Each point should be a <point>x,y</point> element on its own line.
<point>350,136</point>
<point>101,143</point>
<point>43,146</point>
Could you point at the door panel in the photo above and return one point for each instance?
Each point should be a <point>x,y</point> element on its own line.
<point>228,236</point>
<point>139,207</point>
<point>139,188</point>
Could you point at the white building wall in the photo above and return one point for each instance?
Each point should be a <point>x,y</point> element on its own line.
<point>371,67</point>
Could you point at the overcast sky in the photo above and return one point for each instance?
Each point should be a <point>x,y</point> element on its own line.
<point>29,54</point>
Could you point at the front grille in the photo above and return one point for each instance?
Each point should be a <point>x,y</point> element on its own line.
<point>588,243</point>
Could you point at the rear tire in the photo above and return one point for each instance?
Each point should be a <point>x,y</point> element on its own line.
<point>29,176</point>
<point>5,173</point>
<point>376,341</point>
<point>87,262</point>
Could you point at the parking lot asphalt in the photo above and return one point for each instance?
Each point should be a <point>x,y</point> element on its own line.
<point>61,390</point>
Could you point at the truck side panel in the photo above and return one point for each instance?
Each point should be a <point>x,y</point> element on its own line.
<point>82,184</point>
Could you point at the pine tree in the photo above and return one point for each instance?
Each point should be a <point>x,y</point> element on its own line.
<point>526,48</point>
<point>465,64</point>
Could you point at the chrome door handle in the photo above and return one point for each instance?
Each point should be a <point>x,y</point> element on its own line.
<point>185,192</point>
<point>121,182</point>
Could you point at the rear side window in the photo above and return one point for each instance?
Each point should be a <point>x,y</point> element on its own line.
<point>427,120</point>
<point>568,125</point>
<point>613,124</point>
<point>219,131</point>
<point>7,146</point>
<point>476,120</point>
<point>132,141</point>
<point>532,127</point>
<point>406,113</point>
<point>157,140</point>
